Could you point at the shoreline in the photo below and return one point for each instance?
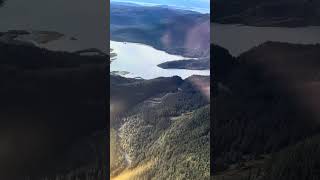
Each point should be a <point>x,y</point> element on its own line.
<point>166,72</point>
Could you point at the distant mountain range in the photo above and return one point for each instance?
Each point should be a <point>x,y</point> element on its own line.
<point>175,31</point>
<point>289,13</point>
<point>196,5</point>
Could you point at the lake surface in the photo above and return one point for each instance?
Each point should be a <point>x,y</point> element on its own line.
<point>85,20</point>
<point>238,38</point>
<point>142,60</point>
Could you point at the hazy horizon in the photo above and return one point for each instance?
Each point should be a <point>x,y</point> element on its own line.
<point>202,6</point>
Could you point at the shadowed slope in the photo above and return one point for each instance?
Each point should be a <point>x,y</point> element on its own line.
<point>51,102</point>
<point>268,100</point>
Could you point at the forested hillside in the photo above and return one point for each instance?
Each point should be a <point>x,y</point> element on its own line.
<point>165,133</point>
<point>52,113</point>
<point>267,101</point>
<point>175,31</point>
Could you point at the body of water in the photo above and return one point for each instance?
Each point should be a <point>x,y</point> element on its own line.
<point>140,60</point>
<point>82,19</point>
<point>238,38</point>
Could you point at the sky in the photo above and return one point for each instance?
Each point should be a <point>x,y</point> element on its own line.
<point>202,6</point>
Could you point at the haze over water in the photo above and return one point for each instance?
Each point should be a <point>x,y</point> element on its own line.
<point>239,38</point>
<point>69,17</point>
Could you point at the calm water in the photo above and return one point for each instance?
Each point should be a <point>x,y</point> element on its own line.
<point>70,17</point>
<point>142,60</point>
<point>238,38</point>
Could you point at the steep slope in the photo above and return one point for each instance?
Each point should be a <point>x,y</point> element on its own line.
<point>161,136</point>
<point>302,158</point>
<point>52,106</point>
<point>121,100</point>
<point>299,161</point>
<point>177,149</point>
<point>267,100</point>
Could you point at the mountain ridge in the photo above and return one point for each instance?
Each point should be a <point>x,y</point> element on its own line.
<point>174,31</point>
<point>283,13</point>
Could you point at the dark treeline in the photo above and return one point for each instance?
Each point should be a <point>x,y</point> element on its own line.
<point>291,13</point>
<point>52,113</point>
<point>266,101</point>
<point>130,92</point>
<point>199,64</point>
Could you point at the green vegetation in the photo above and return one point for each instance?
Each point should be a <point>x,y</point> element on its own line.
<point>266,106</point>
<point>296,162</point>
<point>183,150</point>
<point>300,161</point>
<point>140,91</point>
<point>117,161</point>
<point>179,148</point>
<point>161,126</point>
<point>167,127</point>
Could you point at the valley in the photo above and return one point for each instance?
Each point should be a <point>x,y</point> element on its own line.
<point>160,117</point>
<point>54,76</point>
